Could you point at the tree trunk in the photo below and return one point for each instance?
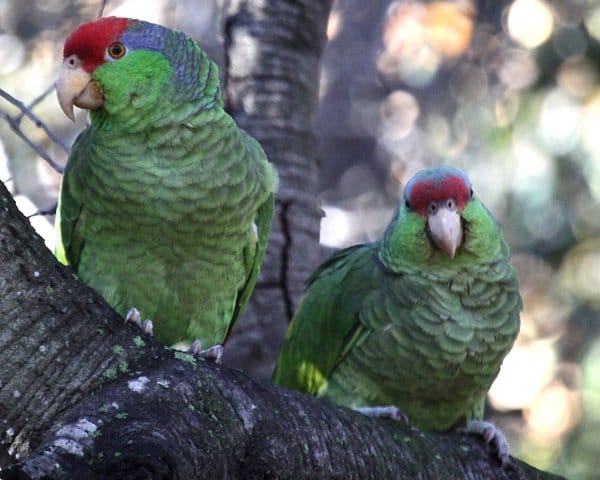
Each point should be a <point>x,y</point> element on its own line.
<point>83,395</point>
<point>272,53</point>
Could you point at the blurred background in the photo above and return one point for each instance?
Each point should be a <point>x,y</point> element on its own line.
<point>509,91</point>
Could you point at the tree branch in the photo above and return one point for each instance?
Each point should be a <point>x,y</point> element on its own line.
<point>82,395</point>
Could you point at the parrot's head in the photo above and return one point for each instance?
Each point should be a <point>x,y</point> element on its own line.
<point>439,196</point>
<point>441,219</point>
<point>131,68</point>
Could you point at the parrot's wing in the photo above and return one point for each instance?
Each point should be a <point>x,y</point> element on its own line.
<point>70,217</point>
<point>323,319</point>
<point>264,217</point>
<point>266,176</point>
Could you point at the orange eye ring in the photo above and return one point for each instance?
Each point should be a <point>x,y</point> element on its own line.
<point>116,50</point>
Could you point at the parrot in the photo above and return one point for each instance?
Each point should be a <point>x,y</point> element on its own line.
<point>165,205</point>
<point>417,323</point>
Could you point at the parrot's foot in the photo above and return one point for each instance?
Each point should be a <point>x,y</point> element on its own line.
<point>214,353</point>
<point>133,316</point>
<point>388,411</point>
<point>491,434</point>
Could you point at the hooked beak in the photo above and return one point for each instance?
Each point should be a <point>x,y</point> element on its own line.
<point>446,230</point>
<point>75,87</point>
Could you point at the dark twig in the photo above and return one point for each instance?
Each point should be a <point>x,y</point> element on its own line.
<point>32,116</point>
<point>34,102</point>
<point>102,6</point>
<point>15,124</point>
<point>17,129</point>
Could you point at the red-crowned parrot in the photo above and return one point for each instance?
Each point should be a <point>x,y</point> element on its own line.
<point>165,204</point>
<point>420,319</point>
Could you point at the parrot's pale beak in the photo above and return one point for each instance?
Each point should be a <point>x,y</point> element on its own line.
<point>76,87</point>
<point>445,229</point>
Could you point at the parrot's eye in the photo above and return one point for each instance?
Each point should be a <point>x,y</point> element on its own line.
<point>116,50</point>
<point>407,204</point>
<point>471,193</point>
<point>432,207</point>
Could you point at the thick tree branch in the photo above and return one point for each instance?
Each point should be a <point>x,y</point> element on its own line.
<point>82,395</point>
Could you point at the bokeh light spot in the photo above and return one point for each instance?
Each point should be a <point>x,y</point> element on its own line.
<point>592,22</point>
<point>13,53</point>
<point>516,387</point>
<point>398,114</point>
<point>530,22</point>
<point>335,226</point>
<point>559,122</point>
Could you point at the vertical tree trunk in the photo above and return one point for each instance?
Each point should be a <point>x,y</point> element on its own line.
<point>272,53</point>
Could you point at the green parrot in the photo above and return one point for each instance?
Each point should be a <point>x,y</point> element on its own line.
<point>165,204</point>
<point>420,319</point>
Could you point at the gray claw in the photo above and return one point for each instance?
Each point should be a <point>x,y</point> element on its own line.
<point>491,435</point>
<point>148,327</point>
<point>214,353</point>
<point>133,316</point>
<point>196,347</point>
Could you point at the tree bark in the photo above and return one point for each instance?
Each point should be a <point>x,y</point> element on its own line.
<point>83,395</point>
<point>272,53</point>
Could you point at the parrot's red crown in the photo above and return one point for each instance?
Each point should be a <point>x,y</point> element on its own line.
<point>90,41</point>
<point>423,192</point>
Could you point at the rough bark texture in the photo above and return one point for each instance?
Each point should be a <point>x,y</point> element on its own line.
<point>82,395</point>
<point>272,78</point>
<point>51,355</point>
